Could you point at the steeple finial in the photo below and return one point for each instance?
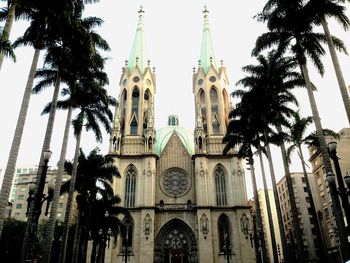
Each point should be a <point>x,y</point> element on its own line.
<point>207,57</point>
<point>138,54</point>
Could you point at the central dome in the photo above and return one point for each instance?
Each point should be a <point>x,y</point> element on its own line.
<point>163,135</point>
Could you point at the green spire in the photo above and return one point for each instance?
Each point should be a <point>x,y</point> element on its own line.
<point>138,52</point>
<point>207,52</point>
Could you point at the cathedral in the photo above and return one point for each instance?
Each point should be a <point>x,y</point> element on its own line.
<point>188,202</point>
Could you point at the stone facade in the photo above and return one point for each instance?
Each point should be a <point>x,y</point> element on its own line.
<point>187,201</point>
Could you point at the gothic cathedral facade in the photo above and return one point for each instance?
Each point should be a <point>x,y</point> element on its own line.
<point>187,201</point>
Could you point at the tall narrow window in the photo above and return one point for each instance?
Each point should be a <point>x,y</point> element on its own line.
<point>128,223</point>
<point>130,186</point>
<point>134,111</point>
<point>224,230</point>
<point>122,111</point>
<point>214,110</point>
<point>221,199</point>
<point>147,108</point>
<point>203,109</point>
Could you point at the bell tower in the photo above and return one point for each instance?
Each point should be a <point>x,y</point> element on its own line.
<point>133,131</point>
<point>210,94</point>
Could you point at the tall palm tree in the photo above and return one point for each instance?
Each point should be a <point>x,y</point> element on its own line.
<point>93,169</point>
<point>321,10</point>
<point>297,138</point>
<point>291,30</point>
<point>94,108</point>
<point>38,34</point>
<point>269,83</point>
<point>242,133</point>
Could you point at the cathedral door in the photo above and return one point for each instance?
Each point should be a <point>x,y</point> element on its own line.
<point>176,243</point>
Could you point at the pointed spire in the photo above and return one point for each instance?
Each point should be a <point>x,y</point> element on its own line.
<point>138,54</point>
<point>207,52</point>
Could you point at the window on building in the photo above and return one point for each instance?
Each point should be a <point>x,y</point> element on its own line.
<point>128,235</point>
<point>19,206</point>
<point>203,108</point>
<point>60,205</point>
<point>134,111</point>
<point>20,197</point>
<point>59,214</point>
<point>221,199</point>
<point>25,171</point>
<point>130,186</point>
<point>18,171</point>
<point>17,214</point>
<point>224,230</point>
<point>214,110</point>
<point>306,189</point>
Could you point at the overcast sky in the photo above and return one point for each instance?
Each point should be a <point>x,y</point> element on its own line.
<point>173,36</point>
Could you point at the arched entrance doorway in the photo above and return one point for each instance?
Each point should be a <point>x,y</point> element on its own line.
<point>175,243</point>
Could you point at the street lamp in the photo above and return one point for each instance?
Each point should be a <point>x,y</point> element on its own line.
<point>105,237</point>
<point>342,191</point>
<point>37,196</point>
<point>227,248</point>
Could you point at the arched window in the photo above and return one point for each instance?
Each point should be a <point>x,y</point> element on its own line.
<point>203,109</point>
<point>147,99</point>
<point>130,186</point>
<point>128,224</point>
<point>134,111</point>
<point>123,110</point>
<point>224,230</point>
<point>220,185</point>
<point>214,110</point>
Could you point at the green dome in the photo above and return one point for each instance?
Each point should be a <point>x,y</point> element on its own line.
<point>163,135</point>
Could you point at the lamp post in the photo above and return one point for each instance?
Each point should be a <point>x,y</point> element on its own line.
<point>105,237</point>
<point>38,197</point>
<point>341,191</point>
<point>127,223</point>
<point>227,248</point>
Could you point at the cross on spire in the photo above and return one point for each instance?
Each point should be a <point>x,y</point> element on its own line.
<point>141,11</point>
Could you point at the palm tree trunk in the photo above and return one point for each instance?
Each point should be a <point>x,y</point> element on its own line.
<point>336,208</point>
<point>262,248</point>
<point>93,252</point>
<point>70,199</point>
<point>337,68</point>
<point>77,236</point>
<point>54,204</point>
<point>319,237</point>
<point>293,206</point>
<point>277,203</point>
<point>16,142</point>
<point>8,26</point>
<point>268,208</point>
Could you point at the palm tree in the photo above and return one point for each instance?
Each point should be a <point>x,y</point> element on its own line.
<point>94,108</point>
<point>38,34</point>
<point>291,29</point>
<point>93,169</point>
<point>5,46</point>
<point>320,10</point>
<point>297,139</point>
<point>241,132</point>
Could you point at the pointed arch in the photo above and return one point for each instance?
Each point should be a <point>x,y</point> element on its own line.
<point>130,186</point>
<point>128,222</point>
<point>224,232</point>
<point>226,106</point>
<point>220,185</point>
<point>124,97</point>
<point>214,110</point>
<point>203,108</point>
<point>135,101</point>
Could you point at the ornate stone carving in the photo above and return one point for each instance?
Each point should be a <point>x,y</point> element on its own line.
<point>201,171</point>
<point>204,225</point>
<point>147,225</point>
<point>149,171</point>
<point>245,225</point>
<point>175,182</point>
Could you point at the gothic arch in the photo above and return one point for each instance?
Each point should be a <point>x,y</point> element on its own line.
<point>130,186</point>
<point>176,240</point>
<point>220,176</point>
<point>224,231</point>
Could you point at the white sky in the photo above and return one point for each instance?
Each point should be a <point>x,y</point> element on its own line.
<point>173,36</point>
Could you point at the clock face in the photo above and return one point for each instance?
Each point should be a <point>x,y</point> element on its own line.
<point>136,79</point>
<point>175,182</point>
